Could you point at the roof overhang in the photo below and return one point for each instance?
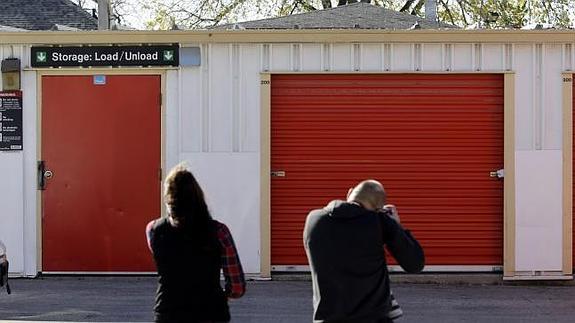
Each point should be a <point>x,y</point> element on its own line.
<point>288,36</point>
<point>10,29</point>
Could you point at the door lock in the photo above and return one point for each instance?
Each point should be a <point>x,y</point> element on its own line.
<point>40,175</point>
<point>43,175</point>
<point>48,174</point>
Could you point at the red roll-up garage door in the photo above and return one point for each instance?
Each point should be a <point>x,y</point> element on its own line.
<point>432,140</point>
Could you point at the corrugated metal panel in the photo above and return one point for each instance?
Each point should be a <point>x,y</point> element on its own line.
<point>431,139</point>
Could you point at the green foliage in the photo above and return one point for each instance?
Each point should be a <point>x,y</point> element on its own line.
<point>190,14</point>
<point>507,13</point>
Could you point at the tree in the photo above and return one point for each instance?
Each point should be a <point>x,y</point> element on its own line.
<point>120,9</point>
<point>507,13</point>
<point>463,13</point>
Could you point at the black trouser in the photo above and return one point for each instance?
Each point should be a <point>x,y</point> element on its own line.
<point>4,275</point>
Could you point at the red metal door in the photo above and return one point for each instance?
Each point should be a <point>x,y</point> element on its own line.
<point>430,139</point>
<point>102,144</point>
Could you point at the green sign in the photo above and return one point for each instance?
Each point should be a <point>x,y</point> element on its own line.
<point>116,56</point>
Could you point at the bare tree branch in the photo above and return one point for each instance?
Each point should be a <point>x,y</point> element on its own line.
<point>448,10</point>
<point>417,7</point>
<point>406,5</point>
<point>463,15</point>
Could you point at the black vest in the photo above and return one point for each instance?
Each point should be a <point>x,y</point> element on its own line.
<point>189,265</point>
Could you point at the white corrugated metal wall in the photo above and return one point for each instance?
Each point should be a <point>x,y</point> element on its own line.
<point>213,122</point>
<point>18,179</point>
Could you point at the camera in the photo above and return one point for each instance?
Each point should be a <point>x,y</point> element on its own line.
<point>385,211</point>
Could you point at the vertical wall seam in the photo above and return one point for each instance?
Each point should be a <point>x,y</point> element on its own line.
<point>392,57</point>
<point>291,58</point>
<point>507,57</point>
<point>241,119</point>
<point>542,108</point>
<point>418,56</point>
<point>448,57</point>
<point>534,95</point>
<point>443,52</point>
<point>1,58</point>
<point>357,61</point>
<point>179,109</point>
<point>563,65</point>
<point>266,60</point>
<point>322,57</point>
<point>295,57</point>
<point>270,52</point>
<point>202,97</point>
<point>233,48</point>
<point>331,57</point>
<point>388,52</point>
<point>299,56</point>
<point>473,63</point>
<point>412,57</point>
<point>351,51</point>
<point>537,114</point>
<point>24,185</point>
<point>382,57</point>
<point>26,56</point>
<point>21,54</point>
<point>511,57</point>
<point>478,57</point>
<point>206,101</point>
<point>3,55</point>
<point>451,55</point>
<point>503,56</point>
<point>568,63</point>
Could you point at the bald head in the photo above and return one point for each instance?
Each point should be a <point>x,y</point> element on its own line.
<point>369,193</point>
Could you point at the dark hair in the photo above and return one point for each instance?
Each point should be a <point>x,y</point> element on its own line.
<point>185,199</point>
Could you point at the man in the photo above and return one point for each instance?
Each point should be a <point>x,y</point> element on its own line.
<point>344,244</point>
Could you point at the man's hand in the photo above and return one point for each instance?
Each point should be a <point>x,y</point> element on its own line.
<point>392,211</point>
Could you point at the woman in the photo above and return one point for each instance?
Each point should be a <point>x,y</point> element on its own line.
<point>190,248</point>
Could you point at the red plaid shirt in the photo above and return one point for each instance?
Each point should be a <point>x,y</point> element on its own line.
<point>231,265</point>
<point>235,284</point>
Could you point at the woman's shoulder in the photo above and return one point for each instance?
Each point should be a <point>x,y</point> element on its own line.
<point>219,225</point>
<point>154,224</point>
<point>221,228</point>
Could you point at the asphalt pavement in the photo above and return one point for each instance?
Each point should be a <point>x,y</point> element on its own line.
<point>130,299</point>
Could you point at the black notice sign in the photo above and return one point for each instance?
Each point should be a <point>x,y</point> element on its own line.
<point>87,56</point>
<point>10,120</point>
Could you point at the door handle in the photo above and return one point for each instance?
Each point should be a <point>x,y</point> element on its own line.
<point>499,174</point>
<point>278,173</point>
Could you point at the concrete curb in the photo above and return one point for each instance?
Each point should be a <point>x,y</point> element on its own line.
<point>468,279</point>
